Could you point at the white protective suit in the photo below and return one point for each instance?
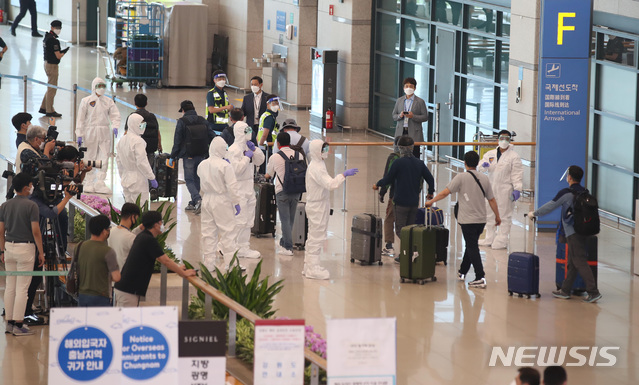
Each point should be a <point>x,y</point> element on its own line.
<point>244,168</point>
<point>133,165</point>
<point>219,189</point>
<point>318,193</point>
<point>95,115</point>
<point>505,176</point>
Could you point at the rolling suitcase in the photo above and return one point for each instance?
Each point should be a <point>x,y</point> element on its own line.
<point>300,226</point>
<point>442,236</point>
<point>417,253</point>
<point>167,177</point>
<point>435,216</point>
<point>523,272</point>
<point>265,209</point>
<point>579,286</point>
<point>366,239</point>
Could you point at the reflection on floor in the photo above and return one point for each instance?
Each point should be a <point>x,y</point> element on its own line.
<point>446,331</point>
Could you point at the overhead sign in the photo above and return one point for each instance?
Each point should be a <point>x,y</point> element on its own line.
<point>562,108</point>
<point>279,352</point>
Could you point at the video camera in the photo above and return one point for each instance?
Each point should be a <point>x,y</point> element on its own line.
<point>49,177</point>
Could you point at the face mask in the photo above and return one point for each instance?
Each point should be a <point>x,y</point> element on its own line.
<point>255,89</point>
<point>57,31</point>
<point>162,228</point>
<point>100,91</point>
<point>220,83</point>
<point>42,145</point>
<point>503,144</point>
<point>409,91</point>
<point>275,108</point>
<point>31,190</point>
<point>142,127</point>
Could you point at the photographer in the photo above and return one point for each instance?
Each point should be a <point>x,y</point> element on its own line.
<point>36,146</point>
<point>70,159</point>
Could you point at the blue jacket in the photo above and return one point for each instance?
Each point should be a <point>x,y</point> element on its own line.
<point>406,174</point>
<point>563,199</point>
<point>179,139</point>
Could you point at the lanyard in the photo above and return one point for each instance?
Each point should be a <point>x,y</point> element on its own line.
<point>408,104</point>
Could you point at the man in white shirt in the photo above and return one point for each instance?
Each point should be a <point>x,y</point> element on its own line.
<point>122,237</point>
<point>288,197</point>
<point>298,142</point>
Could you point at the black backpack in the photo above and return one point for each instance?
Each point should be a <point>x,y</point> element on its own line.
<point>294,174</point>
<point>197,137</point>
<point>298,147</point>
<point>585,211</point>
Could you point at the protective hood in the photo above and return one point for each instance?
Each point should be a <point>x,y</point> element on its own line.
<point>238,132</point>
<point>315,149</point>
<point>95,82</point>
<point>133,124</point>
<point>217,149</point>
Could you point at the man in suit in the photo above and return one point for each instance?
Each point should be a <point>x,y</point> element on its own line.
<point>409,113</point>
<point>256,100</point>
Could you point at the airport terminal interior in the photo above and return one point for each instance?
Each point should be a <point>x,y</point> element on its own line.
<point>445,329</point>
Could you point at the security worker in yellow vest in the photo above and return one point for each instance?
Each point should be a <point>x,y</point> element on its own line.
<point>217,104</point>
<point>269,128</point>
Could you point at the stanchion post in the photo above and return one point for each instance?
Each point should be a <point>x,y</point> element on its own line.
<point>436,136</point>
<point>77,23</point>
<point>75,110</point>
<point>232,332</point>
<point>97,44</point>
<point>24,80</point>
<point>345,162</point>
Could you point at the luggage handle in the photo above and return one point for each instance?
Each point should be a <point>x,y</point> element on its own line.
<point>534,219</point>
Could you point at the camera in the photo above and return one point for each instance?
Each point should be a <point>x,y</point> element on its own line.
<point>52,134</point>
<point>48,178</point>
<point>88,163</point>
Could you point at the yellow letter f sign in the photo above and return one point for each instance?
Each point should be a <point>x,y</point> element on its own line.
<point>561,27</point>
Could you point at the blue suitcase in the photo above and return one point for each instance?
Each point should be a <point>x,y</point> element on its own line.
<point>435,216</point>
<point>523,273</point>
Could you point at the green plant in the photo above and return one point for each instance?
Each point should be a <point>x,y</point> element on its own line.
<point>256,295</point>
<point>79,225</point>
<point>245,346</point>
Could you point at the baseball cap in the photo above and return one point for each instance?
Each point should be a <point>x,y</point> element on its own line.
<point>186,105</point>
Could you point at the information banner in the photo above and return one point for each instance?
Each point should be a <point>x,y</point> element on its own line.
<point>280,21</point>
<point>362,351</point>
<point>202,352</point>
<point>563,108</point>
<point>279,352</point>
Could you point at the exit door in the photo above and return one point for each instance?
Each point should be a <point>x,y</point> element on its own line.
<point>445,85</point>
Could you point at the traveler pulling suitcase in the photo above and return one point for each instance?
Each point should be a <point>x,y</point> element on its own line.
<point>579,287</point>
<point>167,177</point>
<point>265,209</point>
<point>523,272</point>
<point>417,253</point>
<point>434,216</point>
<point>300,226</point>
<point>366,237</point>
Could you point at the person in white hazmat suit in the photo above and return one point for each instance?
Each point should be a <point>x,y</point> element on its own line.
<point>244,157</point>
<point>220,205</point>
<point>97,117</point>
<point>505,172</point>
<point>135,173</point>
<point>318,193</point>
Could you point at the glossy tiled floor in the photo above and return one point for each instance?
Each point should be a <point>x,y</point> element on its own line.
<point>445,330</point>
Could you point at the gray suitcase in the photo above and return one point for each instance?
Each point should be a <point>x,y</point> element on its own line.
<point>300,226</point>
<point>366,239</point>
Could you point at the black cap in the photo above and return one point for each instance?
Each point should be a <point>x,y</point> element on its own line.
<point>291,123</point>
<point>186,105</point>
<point>56,23</point>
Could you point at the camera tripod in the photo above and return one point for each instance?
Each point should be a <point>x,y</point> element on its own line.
<point>54,257</point>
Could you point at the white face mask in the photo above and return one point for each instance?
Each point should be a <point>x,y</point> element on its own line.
<point>31,190</point>
<point>409,91</point>
<point>275,108</point>
<point>255,89</point>
<point>162,228</point>
<point>100,91</point>
<point>42,145</point>
<point>220,84</point>
<point>503,144</point>
<point>57,31</point>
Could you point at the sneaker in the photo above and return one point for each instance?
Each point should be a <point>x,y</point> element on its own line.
<point>33,320</point>
<point>23,331</point>
<point>249,254</point>
<point>13,33</point>
<point>316,272</point>
<point>198,209</point>
<point>36,34</point>
<point>592,298</point>
<point>560,294</point>
<point>283,251</point>
<point>460,276</point>
<point>8,329</point>
<point>198,205</point>
<point>478,283</point>
<point>53,114</point>
<point>388,251</point>
<point>419,40</point>
<point>190,207</point>
<point>397,260</point>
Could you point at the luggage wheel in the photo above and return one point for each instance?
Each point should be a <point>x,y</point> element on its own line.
<point>422,281</point>
<point>402,280</point>
<point>434,279</point>
<point>538,295</point>
<point>510,293</point>
<point>520,295</point>
<point>380,263</point>
<point>258,235</point>
<point>528,296</point>
<point>352,260</point>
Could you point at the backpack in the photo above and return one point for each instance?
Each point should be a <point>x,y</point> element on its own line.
<point>585,211</point>
<point>197,137</point>
<point>298,147</point>
<point>294,174</point>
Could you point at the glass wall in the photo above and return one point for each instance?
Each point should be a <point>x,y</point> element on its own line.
<point>405,46</point>
<point>614,143</point>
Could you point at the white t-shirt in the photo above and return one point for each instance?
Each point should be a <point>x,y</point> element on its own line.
<point>276,167</point>
<point>472,203</point>
<point>121,241</point>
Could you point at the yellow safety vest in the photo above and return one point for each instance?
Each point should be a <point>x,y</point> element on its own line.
<point>276,129</point>
<point>220,117</point>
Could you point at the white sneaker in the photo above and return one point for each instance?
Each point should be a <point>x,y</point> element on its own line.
<point>283,251</point>
<point>478,283</point>
<point>23,331</point>
<point>388,252</point>
<point>316,272</point>
<point>101,188</point>
<point>250,254</point>
<point>460,276</point>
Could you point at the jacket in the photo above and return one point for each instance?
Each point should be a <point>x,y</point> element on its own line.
<point>563,199</point>
<point>248,107</point>
<point>179,139</point>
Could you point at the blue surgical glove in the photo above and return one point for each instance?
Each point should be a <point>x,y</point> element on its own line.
<point>227,161</point>
<point>79,141</point>
<point>237,210</point>
<point>248,153</point>
<point>171,162</point>
<point>350,172</point>
<point>115,132</point>
<point>154,183</point>
<point>250,145</point>
<point>485,165</point>
<point>516,195</point>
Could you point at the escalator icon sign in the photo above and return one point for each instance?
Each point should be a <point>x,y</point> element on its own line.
<point>553,70</point>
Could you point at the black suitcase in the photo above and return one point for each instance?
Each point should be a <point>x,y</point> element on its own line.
<point>167,177</point>
<point>442,236</point>
<point>265,209</point>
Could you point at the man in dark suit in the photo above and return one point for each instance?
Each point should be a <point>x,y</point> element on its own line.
<point>256,100</point>
<point>410,113</point>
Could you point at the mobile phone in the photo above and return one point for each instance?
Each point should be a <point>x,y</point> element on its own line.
<point>406,112</point>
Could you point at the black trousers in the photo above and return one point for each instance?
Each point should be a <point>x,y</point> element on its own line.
<point>27,5</point>
<point>471,233</point>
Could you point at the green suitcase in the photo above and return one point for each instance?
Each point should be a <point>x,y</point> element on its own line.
<point>418,254</point>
